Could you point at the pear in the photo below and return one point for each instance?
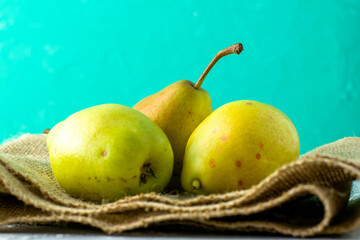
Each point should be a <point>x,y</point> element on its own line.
<point>237,146</point>
<point>109,151</point>
<point>179,108</point>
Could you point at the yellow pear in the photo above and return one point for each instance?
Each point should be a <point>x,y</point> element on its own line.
<point>109,151</point>
<point>179,108</point>
<point>237,146</point>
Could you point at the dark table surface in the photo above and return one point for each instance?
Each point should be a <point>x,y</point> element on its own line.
<point>78,232</point>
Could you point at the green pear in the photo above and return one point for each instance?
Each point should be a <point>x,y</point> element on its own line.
<point>109,151</point>
<point>237,146</point>
<point>179,108</point>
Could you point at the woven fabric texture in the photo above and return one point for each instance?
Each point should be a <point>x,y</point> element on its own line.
<point>305,198</point>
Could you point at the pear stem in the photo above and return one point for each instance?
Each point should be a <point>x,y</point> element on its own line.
<point>236,48</point>
<point>46,131</point>
<point>195,184</point>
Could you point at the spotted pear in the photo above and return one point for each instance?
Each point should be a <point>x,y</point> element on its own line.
<point>179,108</point>
<point>237,146</point>
<point>109,151</point>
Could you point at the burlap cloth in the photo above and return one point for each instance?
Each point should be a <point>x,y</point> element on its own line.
<point>304,198</point>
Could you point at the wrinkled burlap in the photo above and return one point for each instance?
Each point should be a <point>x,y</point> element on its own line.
<point>305,198</point>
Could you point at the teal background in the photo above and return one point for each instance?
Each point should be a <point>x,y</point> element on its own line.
<point>303,57</point>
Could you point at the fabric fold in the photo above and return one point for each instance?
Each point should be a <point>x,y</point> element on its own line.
<point>305,198</point>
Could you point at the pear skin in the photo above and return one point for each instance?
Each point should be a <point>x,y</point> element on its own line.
<point>237,146</point>
<point>109,151</point>
<point>179,108</point>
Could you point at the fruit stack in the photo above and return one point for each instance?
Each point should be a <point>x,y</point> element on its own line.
<point>171,141</point>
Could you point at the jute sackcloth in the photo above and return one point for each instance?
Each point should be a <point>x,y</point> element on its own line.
<point>305,198</point>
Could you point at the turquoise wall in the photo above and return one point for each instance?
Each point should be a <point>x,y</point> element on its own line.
<point>303,57</point>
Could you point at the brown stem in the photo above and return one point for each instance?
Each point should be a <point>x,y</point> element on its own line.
<point>236,48</point>
<point>46,131</point>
